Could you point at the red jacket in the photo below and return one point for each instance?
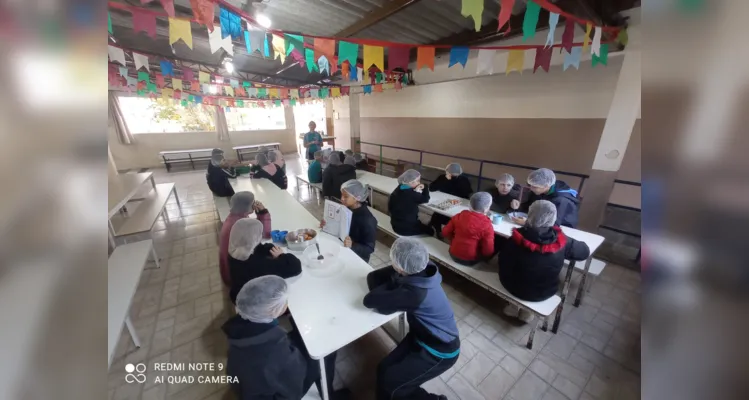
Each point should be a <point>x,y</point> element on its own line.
<point>223,244</point>
<point>472,235</point>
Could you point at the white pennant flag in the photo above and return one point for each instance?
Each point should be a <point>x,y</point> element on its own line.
<point>217,42</point>
<point>360,74</point>
<point>595,47</point>
<point>140,61</point>
<point>116,54</point>
<point>486,61</point>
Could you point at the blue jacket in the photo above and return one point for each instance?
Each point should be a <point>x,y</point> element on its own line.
<point>314,172</point>
<point>564,198</point>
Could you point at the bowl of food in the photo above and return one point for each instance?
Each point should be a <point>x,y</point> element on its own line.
<point>300,239</point>
<point>517,214</point>
<point>324,263</point>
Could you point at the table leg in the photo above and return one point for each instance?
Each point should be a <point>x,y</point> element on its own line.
<point>133,333</point>
<point>402,326</point>
<point>174,190</point>
<point>565,289</point>
<point>323,380</point>
<point>298,190</point>
<point>581,289</point>
<point>155,256</point>
<point>371,197</point>
<point>111,241</point>
<point>153,183</point>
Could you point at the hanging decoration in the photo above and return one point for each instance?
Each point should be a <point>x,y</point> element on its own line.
<point>568,35</point>
<point>515,61</point>
<point>278,48</point>
<point>140,61</point>
<point>254,39</point>
<point>572,58</point>
<point>324,65</point>
<point>176,84</point>
<point>586,38</point>
<point>180,29</point>
<point>203,10</point>
<point>144,22</point>
<point>374,55</point>
<point>168,7</point>
<point>553,21</point>
<point>458,55</point>
<point>293,42</point>
<point>231,24</point>
<point>505,12</point>
<point>204,77</point>
<point>324,48</point>
<point>486,62</point>
<point>217,41</point>
<point>595,47</point>
<point>425,57</point>
<point>530,21</point>
<point>474,9</point>
<point>602,57</point>
<point>398,57</point>
<point>116,54</point>
<point>543,59</point>
<point>166,68</point>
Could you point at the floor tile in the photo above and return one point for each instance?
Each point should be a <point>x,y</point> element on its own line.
<point>497,384</point>
<point>529,387</point>
<point>477,369</point>
<point>463,389</point>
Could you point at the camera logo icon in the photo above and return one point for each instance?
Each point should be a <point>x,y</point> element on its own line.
<point>140,377</point>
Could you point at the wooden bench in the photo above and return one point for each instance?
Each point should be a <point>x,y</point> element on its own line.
<point>184,156</point>
<point>143,218</point>
<point>316,187</point>
<point>222,207</point>
<point>253,149</point>
<point>124,269</point>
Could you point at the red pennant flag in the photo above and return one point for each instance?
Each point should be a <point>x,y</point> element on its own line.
<point>398,57</point>
<point>505,12</point>
<point>324,47</point>
<point>284,93</point>
<point>144,22</point>
<point>378,88</point>
<point>425,58</point>
<point>543,58</point>
<point>333,67</point>
<point>203,10</point>
<point>568,35</point>
<point>159,80</point>
<point>230,102</point>
<point>187,74</point>
<point>345,90</point>
<point>239,91</point>
<point>141,85</point>
<point>168,7</point>
<point>177,94</point>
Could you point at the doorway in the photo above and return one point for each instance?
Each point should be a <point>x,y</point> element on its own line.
<point>303,114</point>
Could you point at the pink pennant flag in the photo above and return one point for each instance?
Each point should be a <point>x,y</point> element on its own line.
<point>145,22</point>
<point>398,57</point>
<point>159,80</point>
<point>178,94</point>
<point>187,74</point>
<point>345,90</point>
<point>168,7</point>
<point>543,58</point>
<point>568,35</point>
<point>505,12</point>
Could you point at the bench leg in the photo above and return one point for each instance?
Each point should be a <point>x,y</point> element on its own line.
<point>545,325</point>
<point>565,289</point>
<point>111,241</point>
<point>152,182</point>
<point>581,289</point>
<point>323,380</point>
<point>133,333</point>
<point>402,326</point>
<point>174,191</point>
<point>155,256</point>
<point>165,216</point>
<point>532,333</point>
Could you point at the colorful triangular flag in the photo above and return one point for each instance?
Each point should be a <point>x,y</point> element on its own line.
<point>374,55</point>
<point>543,58</point>
<point>292,42</point>
<point>347,52</point>
<point>458,55</point>
<point>367,89</point>
<point>474,9</point>
<point>398,57</point>
<point>234,83</point>
<point>530,21</point>
<point>602,57</point>
<point>573,58</point>
<point>176,84</point>
<point>256,40</point>
<point>180,29</point>
<point>166,68</point>
<point>204,11</point>
<point>109,23</point>
<point>144,22</point>
<point>586,38</point>
<point>486,61</point>
<point>595,47</point>
<point>568,35</point>
<point>231,24</point>
<point>216,41</point>
<point>116,54</point>
<point>310,60</point>
<point>425,57</point>
<point>140,60</point>
<point>324,65</point>
<point>505,12</point>
<point>515,61</point>
<point>168,6</point>
<point>278,48</point>
<point>187,74</point>
<point>204,77</point>
<point>324,47</point>
<point>553,21</point>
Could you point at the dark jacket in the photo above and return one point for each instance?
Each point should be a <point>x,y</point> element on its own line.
<point>264,360</point>
<point>362,165</point>
<point>363,232</point>
<point>564,198</point>
<point>334,176</point>
<point>218,180</point>
<point>429,313</point>
<point>530,262</point>
<point>457,186</point>
<point>501,202</point>
<point>403,206</point>
<point>279,178</point>
<point>260,264</point>
<point>472,236</point>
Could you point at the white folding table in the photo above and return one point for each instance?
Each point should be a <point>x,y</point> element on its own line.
<point>121,189</point>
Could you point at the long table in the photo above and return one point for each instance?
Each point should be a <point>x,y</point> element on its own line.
<point>328,311</point>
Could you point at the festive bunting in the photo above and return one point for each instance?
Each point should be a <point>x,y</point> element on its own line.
<point>310,60</point>
<point>204,77</point>
<point>324,47</point>
<point>144,22</point>
<point>530,21</point>
<point>240,91</point>
<point>261,92</point>
<point>187,74</point>
<point>151,87</point>
<point>168,7</point>
<point>229,90</point>
<point>184,103</point>
<point>425,57</point>
<point>140,61</point>
<point>568,35</point>
<point>586,38</point>
<point>195,85</point>
<point>177,84</point>
<point>595,47</point>
<point>294,93</point>
<point>254,39</point>
<point>474,9</point>
<point>240,103</point>
<point>486,61</point>
<point>234,83</point>
<point>131,81</point>
<point>505,12</point>
<point>116,54</point>
<point>198,99</point>
<point>346,70</point>
<point>345,90</point>
<point>166,68</point>
<point>515,61</point>
<point>543,58</point>
<point>573,58</point>
<point>398,85</point>
<point>167,93</point>
<point>278,48</point>
<point>231,24</point>
<point>216,41</point>
<point>458,55</point>
<point>203,10</point>
<point>205,88</point>
<point>273,93</point>
<point>297,56</point>
<point>292,42</point>
<point>623,37</point>
<point>252,92</point>
<point>553,21</point>
<point>109,23</point>
<point>277,103</point>
<point>160,80</point>
<point>374,55</point>
<point>292,102</point>
<point>367,89</point>
<point>123,71</point>
<point>347,52</point>
<point>378,88</point>
<point>398,57</point>
<point>336,92</point>
<point>360,74</point>
<point>143,76</point>
<point>324,93</point>
<point>246,84</point>
<point>324,65</point>
<point>602,57</point>
<point>378,77</point>
<point>178,94</point>
<point>180,29</point>
<point>219,79</point>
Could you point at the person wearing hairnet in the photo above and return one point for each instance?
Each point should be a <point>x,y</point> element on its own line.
<point>505,194</point>
<point>335,175</point>
<point>348,153</point>
<point>242,205</point>
<point>326,157</point>
<point>314,171</point>
<point>413,285</point>
<point>312,140</point>
<point>249,258</point>
<point>276,157</point>
<point>218,173</point>
<point>363,231</point>
<point>361,162</point>
<point>452,182</point>
<point>471,233</point>
<point>545,186</point>
<point>530,262</point>
<point>349,160</point>
<point>403,205</point>
<point>267,362</point>
<point>270,171</point>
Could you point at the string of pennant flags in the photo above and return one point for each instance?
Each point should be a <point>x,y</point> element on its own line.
<point>320,56</point>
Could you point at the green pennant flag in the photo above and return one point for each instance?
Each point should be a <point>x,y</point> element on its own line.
<point>532,11</point>
<point>240,103</point>
<point>623,37</point>
<point>278,103</point>
<point>347,52</point>
<point>292,42</point>
<point>191,98</point>
<point>152,86</point>
<point>292,102</point>
<point>184,103</point>
<point>142,92</point>
<point>324,92</point>
<point>246,84</point>
<point>261,93</point>
<point>109,22</point>
<point>143,76</point>
<point>405,79</point>
<point>309,58</point>
<point>378,77</point>
<point>603,58</point>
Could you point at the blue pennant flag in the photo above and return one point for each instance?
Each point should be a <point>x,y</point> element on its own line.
<point>231,24</point>
<point>572,58</point>
<point>166,68</point>
<point>352,74</point>
<point>458,54</point>
<point>367,89</point>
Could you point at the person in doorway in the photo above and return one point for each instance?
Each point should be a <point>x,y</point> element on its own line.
<point>314,172</point>
<point>471,233</point>
<point>249,258</point>
<point>242,205</point>
<point>361,162</point>
<point>545,186</point>
<point>432,345</point>
<point>270,171</point>
<point>363,231</point>
<point>505,194</point>
<point>452,182</point>
<point>335,175</point>
<point>218,173</point>
<point>530,261</point>
<point>312,140</point>
<point>267,362</point>
<point>403,205</point>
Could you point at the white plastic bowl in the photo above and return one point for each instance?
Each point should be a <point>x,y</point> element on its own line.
<point>331,263</point>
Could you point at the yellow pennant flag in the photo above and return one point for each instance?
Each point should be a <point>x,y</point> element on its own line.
<point>473,8</point>
<point>273,93</point>
<point>374,55</point>
<point>586,39</point>
<point>294,93</point>
<point>388,86</point>
<point>177,84</point>
<point>180,29</point>
<point>279,48</point>
<point>204,77</point>
<point>167,93</point>
<point>515,61</point>
<point>336,92</point>
<point>229,90</point>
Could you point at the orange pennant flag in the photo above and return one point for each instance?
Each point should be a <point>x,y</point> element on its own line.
<point>284,93</point>
<point>425,58</point>
<point>324,47</point>
<point>377,88</point>
<point>345,70</point>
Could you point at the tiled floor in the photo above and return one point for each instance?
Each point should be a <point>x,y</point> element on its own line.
<point>179,308</point>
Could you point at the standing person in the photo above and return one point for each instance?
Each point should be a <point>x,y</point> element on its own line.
<point>471,232</point>
<point>314,172</point>
<point>403,205</point>
<point>413,285</point>
<point>242,205</point>
<point>312,141</point>
<point>270,171</point>
<point>505,194</point>
<point>452,182</point>
<point>530,261</point>
<point>218,173</point>
<point>336,175</point>
<point>545,186</point>
<point>363,231</point>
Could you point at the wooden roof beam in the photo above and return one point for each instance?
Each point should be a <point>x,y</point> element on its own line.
<point>375,16</point>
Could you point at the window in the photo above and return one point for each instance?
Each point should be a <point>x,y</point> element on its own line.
<point>253,119</point>
<point>144,115</point>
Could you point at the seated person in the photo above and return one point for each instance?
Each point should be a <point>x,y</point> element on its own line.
<point>363,231</point>
<point>270,171</point>
<point>335,175</point>
<point>451,182</point>
<point>348,153</point>
<point>342,156</point>
<point>268,362</point>
<point>326,157</point>
<point>249,259</point>
<point>471,232</point>
<point>505,194</point>
<point>242,205</point>
<point>361,162</point>
<point>432,345</point>
<point>314,172</point>
<point>276,157</point>
<point>312,140</point>
<point>530,261</point>
<point>545,186</point>
<point>218,173</point>
<point>349,160</point>
<point>403,205</point>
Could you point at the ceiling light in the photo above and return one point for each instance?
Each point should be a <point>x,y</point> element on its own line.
<point>228,65</point>
<point>263,20</point>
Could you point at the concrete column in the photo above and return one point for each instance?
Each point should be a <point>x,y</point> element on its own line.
<point>354,120</point>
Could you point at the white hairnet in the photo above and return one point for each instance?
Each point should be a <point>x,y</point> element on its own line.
<point>356,189</point>
<point>409,176</point>
<point>241,203</point>
<point>272,156</point>
<point>216,151</point>
<point>505,178</point>
<point>335,158</point>
<point>481,201</point>
<point>349,160</point>
<point>245,235</point>
<point>349,152</point>
<point>410,255</point>
<point>262,159</point>
<point>217,158</point>
<point>454,169</point>
<point>358,157</point>
<point>542,177</point>
<point>542,214</point>
<point>262,299</point>
<point>318,153</point>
